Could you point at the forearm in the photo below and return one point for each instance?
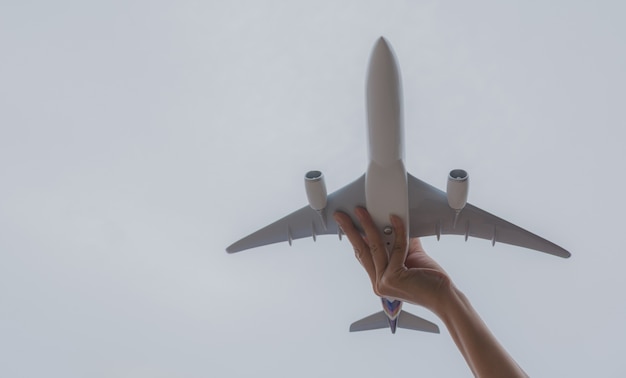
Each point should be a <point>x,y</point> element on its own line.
<point>483,353</point>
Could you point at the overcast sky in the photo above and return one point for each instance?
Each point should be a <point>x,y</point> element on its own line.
<point>138,139</point>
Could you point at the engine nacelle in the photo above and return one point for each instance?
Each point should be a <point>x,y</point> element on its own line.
<point>458,187</point>
<point>315,190</point>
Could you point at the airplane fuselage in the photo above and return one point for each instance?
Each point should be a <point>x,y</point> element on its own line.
<point>386,186</point>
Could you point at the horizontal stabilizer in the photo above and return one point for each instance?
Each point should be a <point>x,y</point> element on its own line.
<point>405,320</point>
<point>410,321</point>
<point>376,321</point>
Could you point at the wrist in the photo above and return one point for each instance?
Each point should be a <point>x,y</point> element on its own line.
<point>451,301</point>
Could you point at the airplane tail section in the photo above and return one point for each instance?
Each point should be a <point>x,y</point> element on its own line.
<point>404,320</point>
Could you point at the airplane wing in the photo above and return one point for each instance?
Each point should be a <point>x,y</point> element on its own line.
<point>431,215</point>
<point>307,222</point>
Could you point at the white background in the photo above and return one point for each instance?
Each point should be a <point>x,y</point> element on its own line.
<point>139,139</point>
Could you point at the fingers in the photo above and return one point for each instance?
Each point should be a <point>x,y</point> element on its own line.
<point>407,274</point>
<point>360,245</point>
<point>399,251</point>
<point>345,222</point>
<point>376,245</point>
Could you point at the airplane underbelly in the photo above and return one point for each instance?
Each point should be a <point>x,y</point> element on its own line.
<point>386,193</point>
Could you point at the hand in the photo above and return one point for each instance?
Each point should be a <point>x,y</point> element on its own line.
<point>410,275</point>
<point>407,274</point>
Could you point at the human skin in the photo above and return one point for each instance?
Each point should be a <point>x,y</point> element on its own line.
<point>408,274</point>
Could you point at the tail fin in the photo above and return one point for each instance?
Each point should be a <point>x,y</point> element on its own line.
<point>405,320</point>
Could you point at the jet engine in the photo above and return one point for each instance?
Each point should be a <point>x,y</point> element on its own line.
<point>315,190</point>
<point>458,186</point>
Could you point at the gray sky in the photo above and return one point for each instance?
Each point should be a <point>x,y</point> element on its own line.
<point>139,139</point>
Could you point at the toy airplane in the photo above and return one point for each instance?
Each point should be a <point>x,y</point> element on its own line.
<point>386,188</point>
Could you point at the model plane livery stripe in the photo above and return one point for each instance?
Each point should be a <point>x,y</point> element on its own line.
<point>392,308</point>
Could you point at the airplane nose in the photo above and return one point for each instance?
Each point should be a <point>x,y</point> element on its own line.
<point>382,54</point>
<point>382,44</point>
<point>383,71</point>
<point>384,105</point>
